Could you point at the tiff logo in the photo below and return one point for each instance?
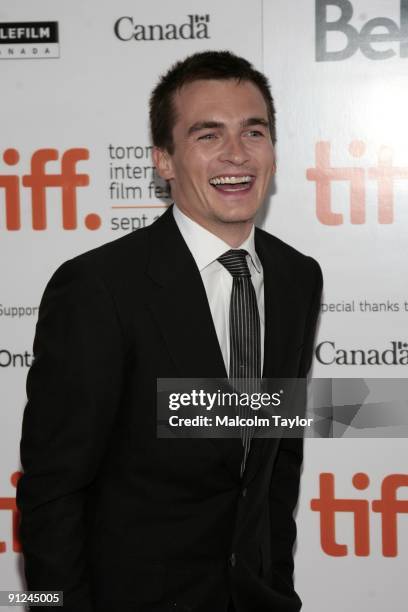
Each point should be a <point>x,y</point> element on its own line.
<point>385,173</point>
<point>381,30</point>
<point>38,181</point>
<point>388,506</point>
<point>9,504</point>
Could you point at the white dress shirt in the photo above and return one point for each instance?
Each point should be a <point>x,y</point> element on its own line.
<point>206,247</point>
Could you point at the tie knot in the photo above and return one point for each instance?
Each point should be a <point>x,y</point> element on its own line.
<point>235,262</point>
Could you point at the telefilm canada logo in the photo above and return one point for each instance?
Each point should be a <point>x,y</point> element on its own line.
<point>29,40</point>
<point>379,38</point>
<point>193,27</point>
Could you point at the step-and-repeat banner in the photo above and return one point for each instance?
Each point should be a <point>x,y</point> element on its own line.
<point>76,171</point>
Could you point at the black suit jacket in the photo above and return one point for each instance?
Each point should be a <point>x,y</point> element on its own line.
<point>116,518</point>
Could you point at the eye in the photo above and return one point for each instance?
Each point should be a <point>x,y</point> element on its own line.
<point>255,133</point>
<point>208,136</point>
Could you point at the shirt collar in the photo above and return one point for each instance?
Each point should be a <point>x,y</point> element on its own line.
<point>205,246</point>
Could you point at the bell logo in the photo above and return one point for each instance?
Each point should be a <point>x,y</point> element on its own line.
<point>388,507</point>
<point>362,40</point>
<point>38,181</point>
<point>385,173</point>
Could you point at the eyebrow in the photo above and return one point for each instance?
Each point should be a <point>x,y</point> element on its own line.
<point>203,125</point>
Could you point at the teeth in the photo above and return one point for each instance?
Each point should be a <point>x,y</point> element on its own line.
<point>230,180</point>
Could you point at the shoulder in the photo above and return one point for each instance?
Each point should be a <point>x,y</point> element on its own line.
<point>114,260</point>
<point>286,259</point>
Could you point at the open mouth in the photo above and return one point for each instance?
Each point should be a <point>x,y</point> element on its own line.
<point>232,183</point>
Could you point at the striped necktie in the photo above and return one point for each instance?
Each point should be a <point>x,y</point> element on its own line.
<point>245,333</point>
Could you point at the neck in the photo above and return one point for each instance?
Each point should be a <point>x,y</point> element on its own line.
<point>234,234</point>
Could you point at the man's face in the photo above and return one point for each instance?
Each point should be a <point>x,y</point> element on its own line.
<point>223,155</point>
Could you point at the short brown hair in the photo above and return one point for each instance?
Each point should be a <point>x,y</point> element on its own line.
<point>218,65</point>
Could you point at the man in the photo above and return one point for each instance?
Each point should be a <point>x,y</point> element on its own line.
<point>115,517</point>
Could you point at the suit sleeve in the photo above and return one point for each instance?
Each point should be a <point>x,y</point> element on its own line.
<point>73,390</point>
<point>284,487</point>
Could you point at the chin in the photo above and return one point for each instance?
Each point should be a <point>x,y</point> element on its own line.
<point>238,214</point>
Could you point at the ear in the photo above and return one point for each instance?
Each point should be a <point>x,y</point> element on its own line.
<point>163,162</point>
<point>274,162</point>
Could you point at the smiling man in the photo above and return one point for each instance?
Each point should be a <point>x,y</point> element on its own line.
<point>221,158</point>
<point>113,516</point>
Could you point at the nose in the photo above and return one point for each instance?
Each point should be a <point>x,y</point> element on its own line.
<point>234,151</point>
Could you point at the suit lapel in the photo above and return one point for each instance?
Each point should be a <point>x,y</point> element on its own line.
<point>276,296</point>
<point>180,307</point>
<point>180,304</point>
<point>274,288</point>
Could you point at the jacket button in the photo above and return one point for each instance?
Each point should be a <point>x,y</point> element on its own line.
<point>244,492</point>
<point>232,560</point>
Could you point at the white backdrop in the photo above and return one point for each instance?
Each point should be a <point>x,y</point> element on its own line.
<point>340,195</point>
